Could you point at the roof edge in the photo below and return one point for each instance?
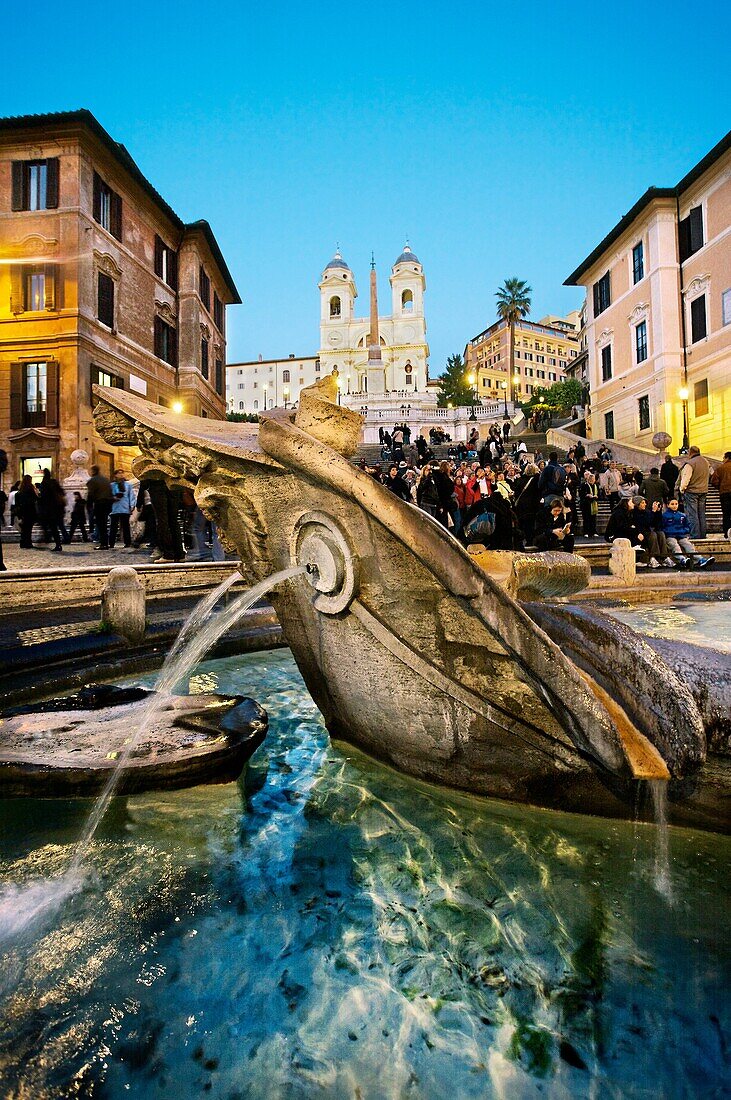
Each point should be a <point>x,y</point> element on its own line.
<point>83,117</point>
<point>652,193</point>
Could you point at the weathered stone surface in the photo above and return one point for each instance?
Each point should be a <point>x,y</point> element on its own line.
<point>622,561</point>
<point>123,603</point>
<point>534,576</point>
<point>68,748</point>
<point>496,709</point>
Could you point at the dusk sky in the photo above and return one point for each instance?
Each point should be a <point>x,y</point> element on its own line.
<point>501,140</point>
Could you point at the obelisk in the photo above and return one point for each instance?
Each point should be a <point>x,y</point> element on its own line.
<point>374,370</point>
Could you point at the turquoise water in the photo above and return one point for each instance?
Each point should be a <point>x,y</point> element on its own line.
<point>347,932</point>
<point>701,623</point>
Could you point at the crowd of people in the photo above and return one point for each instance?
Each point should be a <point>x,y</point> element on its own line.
<point>510,501</point>
<point>114,512</point>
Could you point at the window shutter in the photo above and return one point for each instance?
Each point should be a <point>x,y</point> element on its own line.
<point>16,395</point>
<point>172,269</point>
<point>52,395</point>
<point>174,347</point>
<point>97,204</point>
<point>695,219</point>
<point>159,246</point>
<point>18,173</point>
<point>49,286</point>
<point>17,295</point>
<point>52,175</point>
<point>157,338</point>
<point>116,225</point>
<point>105,299</point>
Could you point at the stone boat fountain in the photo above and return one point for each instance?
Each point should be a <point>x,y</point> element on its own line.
<point>411,650</point>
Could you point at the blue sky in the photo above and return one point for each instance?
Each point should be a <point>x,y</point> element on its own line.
<point>503,140</point>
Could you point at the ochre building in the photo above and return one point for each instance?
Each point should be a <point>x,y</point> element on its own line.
<point>100,281</point>
<point>542,353</point>
<point>658,322</point>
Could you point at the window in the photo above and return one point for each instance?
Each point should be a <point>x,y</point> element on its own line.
<point>166,263</point>
<point>726,307</point>
<point>217,312</point>
<point>204,359</point>
<point>204,287</point>
<point>256,404</point>
<point>690,233</point>
<point>107,207</point>
<point>241,405</point>
<point>35,184</point>
<point>606,362</point>
<point>285,376</point>
<point>105,299</point>
<point>335,306</point>
<point>407,302</point>
<point>35,289</point>
<point>643,408</point>
<point>540,358</point>
<point>317,366</point>
<point>99,377</point>
<point>166,344</point>
<point>641,341</point>
<point>638,262</point>
<point>552,362</point>
<point>219,376</point>
<point>698,329</point>
<point>255,385</point>
<point>700,398</point>
<point>602,295</point>
<point>609,425</point>
<point>34,395</point>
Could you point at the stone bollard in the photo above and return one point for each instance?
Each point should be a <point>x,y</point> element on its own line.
<point>622,561</point>
<point>123,603</point>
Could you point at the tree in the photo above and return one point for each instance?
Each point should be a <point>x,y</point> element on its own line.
<point>513,304</point>
<point>455,389</point>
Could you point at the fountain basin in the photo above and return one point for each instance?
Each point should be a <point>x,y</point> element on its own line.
<point>68,748</point>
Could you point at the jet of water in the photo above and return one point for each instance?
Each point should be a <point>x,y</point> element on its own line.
<point>201,630</point>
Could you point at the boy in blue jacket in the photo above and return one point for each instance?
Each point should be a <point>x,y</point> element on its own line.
<point>677,533</point>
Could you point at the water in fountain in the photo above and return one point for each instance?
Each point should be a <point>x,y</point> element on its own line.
<point>201,630</point>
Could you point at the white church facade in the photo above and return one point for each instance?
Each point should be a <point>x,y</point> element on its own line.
<point>347,341</point>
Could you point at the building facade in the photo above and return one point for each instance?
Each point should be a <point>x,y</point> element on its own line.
<point>100,282</point>
<point>345,339</point>
<point>659,314</point>
<point>543,351</point>
<point>264,384</point>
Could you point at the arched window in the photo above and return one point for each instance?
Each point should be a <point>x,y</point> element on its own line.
<point>335,306</point>
<point>241,406</point>
<point>407,301</point>
<point>256,404</point>
<point>409,369</point>
<point>285,376</point>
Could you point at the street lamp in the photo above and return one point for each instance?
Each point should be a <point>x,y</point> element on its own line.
<point>340,389</point>
<point>285,394</point>
<point>472,379</point>
<point>516,386</point>
<point>177,406</point>
<point>504,388</point>
<point>683,395</point>
<point>265,397</point>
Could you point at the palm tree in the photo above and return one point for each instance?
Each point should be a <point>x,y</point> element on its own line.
<point>513,304</point>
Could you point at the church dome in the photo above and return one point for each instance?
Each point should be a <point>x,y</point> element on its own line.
<point>337,261</point>
<point>407,257</point>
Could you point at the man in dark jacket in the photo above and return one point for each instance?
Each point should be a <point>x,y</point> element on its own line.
<point>654,488</point>
<point>722,480</point>
<point>99,495</point>
<point>52,507</point>
<point>553,478</point>
<point>669,473</point>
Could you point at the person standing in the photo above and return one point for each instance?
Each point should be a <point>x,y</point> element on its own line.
<point>693,484</point>
<point>589,497</point>
<point>123,501</point>
<point>669,474</point>
<point>78,519</point>
<point>52,506</point>
<point>610,482</point>
<point>654,488</point>
<point>722,480</point>
<point>26,511</point>
<point>99,496</point>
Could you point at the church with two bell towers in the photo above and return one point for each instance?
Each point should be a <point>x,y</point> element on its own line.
<point>375,356</point>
